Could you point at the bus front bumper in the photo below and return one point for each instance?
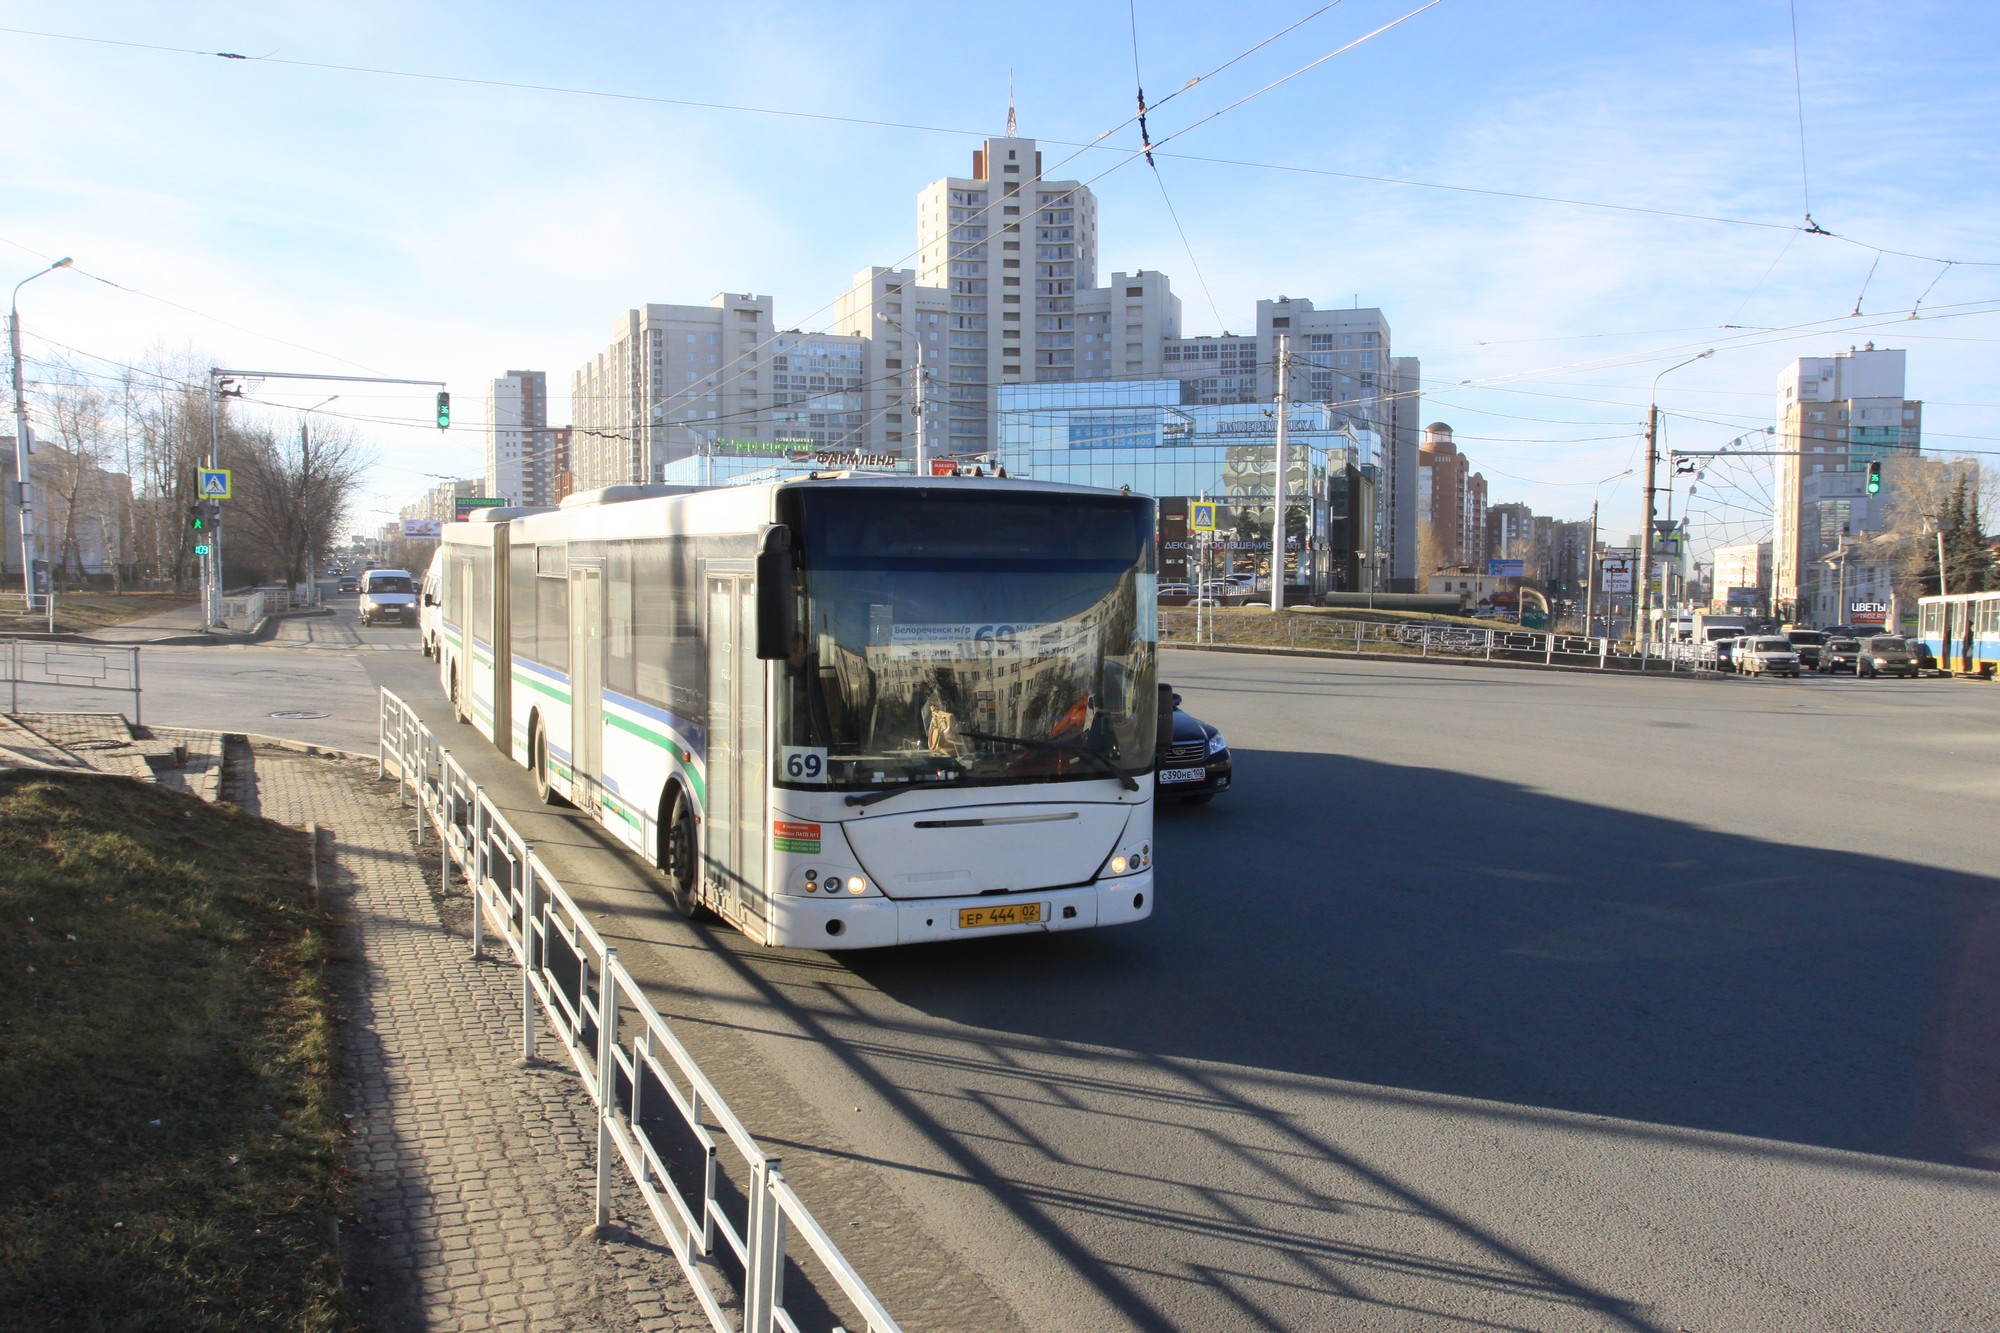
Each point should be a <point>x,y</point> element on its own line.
<point>871,923</point>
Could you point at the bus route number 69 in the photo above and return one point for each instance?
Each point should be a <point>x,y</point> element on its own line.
<point>803,763</point>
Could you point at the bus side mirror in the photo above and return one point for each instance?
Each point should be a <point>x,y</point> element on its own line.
<point>1164,726</point>
<point>775,597</point>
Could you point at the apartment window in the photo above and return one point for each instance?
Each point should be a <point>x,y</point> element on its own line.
<point>1010,245</point>
<point>1010,282</point>
<point>1011,211</point>
<point>1011,169</point>
<point>1281,322</point>
<point>1010,263</point>
<point>1135,291</point>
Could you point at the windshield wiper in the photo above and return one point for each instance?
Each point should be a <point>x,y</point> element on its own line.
<point>1098,757</point>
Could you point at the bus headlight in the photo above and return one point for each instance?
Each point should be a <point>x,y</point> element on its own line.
<point>1129,861</point>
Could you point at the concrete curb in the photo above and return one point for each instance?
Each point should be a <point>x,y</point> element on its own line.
<point>1607,673</point>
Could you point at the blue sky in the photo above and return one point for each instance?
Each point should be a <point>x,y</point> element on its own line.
<point>321,218</point>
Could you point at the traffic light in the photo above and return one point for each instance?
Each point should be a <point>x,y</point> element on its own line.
<point>198,517</point>
<point>215,513</point>
<point>1875,477</point>
<point>444,409</point>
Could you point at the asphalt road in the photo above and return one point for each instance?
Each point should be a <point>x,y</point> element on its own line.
<point>1491,997</point>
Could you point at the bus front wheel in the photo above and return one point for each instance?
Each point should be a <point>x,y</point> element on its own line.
<point>679,857</point>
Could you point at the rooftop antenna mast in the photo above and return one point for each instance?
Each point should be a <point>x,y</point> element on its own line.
<point>1010,105</point>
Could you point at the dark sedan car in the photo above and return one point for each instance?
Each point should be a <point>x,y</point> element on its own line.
<point>1841,655</point>
<point>1194,765</point>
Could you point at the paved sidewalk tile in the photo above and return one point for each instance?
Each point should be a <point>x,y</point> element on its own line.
<point>475,1175</point>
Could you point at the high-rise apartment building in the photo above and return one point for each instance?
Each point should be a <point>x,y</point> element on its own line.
<point>520,468</point>
<point>1835,415</point>
<point>1003,292</point>
<point>673,378</point>
<point>1451,500</point>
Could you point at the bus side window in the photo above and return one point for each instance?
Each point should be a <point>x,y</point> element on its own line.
<point>651,578</point>
<point>620,640</point>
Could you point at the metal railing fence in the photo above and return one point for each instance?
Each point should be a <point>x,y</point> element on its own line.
<point>721,1202</point>
<point>69,666</point>
<point>1427,639</point>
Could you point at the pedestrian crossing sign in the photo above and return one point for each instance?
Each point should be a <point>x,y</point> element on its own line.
<point>212,483</point>
<point>1201,516</point>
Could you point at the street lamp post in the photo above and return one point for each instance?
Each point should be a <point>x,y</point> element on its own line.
<point>21,432</point>
<point>1645,600</point>
<point>1590,565</point>
<point>305,488</point>
<point>923,449</point>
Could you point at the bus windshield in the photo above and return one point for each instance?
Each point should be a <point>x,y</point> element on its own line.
<point>968,636</point>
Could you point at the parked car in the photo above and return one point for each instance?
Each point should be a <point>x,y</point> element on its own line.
<point>1765,655</point>
<point>1840,655</point>
<point>1194,765</point>
<point>1886,655</point>
<point>388,594</point>
<point>1808,642</point>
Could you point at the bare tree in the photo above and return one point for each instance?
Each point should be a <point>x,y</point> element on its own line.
<point>165,405</point>
<point>1430,554</point>
<point>1922,492</point>
<point>72,471</point>
<point>291,495</point>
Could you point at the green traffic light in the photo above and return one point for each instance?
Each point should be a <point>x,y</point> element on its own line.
<point>443,410</point>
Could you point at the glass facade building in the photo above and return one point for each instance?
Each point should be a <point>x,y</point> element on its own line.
<point>1154,437</point>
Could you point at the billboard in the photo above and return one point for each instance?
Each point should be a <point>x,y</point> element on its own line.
<point>1505,569</point>
<point>1868,613</point>
<point>1618,575</point>
<point>422,529</point>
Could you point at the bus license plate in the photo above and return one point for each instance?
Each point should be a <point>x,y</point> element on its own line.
<point>1012,914</point>
<point>1183,774</point>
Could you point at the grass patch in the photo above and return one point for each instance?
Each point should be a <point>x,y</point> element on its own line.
<point>79,611</point>
<point>166,1066</point>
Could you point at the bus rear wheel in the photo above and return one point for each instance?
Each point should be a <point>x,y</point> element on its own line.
<point>679,855</point>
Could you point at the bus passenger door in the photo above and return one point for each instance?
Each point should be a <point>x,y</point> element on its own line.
<point>733,840</point>
<point>586,683</point>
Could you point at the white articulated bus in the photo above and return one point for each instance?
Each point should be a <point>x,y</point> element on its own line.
<point>839,711</point>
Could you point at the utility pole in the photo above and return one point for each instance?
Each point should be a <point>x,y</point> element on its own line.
<point>1642,599</point>
<point>1284,400</point>
<point>1590,579</point>
<point>21,435</point>
<point>1840,604</point>
<point>1642,617</point>
<point>923,412</point>
<point>211,564</point>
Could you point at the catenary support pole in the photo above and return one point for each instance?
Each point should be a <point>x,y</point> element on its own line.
<point>1284,404</point>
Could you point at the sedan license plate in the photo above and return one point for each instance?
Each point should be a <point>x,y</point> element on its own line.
<point>1183,774</point>
<point>1009,914</point>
